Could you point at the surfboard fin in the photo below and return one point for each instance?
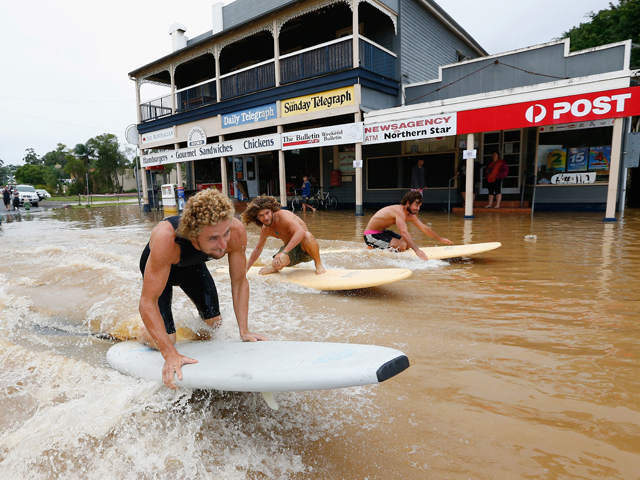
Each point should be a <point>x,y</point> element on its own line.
<point>268,397</point>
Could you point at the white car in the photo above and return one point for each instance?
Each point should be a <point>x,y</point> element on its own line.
<point>43,193</point>
<point>28,194</point>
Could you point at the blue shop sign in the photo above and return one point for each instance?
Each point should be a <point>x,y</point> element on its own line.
<point>251,115</point>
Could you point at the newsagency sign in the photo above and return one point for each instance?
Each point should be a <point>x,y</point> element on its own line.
<point>321,137</point>
<point>243,146</point>
<point>411,129</point>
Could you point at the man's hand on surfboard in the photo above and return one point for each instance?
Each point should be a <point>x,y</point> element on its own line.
<point>254,337</point>
<point>172,366</point>
<point>421,254</point>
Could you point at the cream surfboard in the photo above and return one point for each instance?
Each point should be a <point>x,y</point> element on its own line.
<point>265,367</point>
<point>334,278</point>
<point>435,253</point>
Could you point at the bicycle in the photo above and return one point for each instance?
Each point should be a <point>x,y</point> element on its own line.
<point>325,200</point>
<point>297,200</point>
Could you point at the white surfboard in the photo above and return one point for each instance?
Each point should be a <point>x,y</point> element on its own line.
<point>265,366</point>
<point>334,278</point>
<point>435,253</point>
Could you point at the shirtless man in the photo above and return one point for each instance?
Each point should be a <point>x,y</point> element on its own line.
<point>176,256</point>
<point>299,244</point>
<point>376,234</point>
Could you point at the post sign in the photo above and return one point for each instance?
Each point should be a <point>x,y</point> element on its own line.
<point>587,107</point>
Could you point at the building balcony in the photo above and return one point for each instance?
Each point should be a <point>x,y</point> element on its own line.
<point>316,61</point>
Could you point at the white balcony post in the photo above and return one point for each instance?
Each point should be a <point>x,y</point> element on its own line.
<point>217,55</point>
<point>359,210</point>
<point>356,37</point>
<point>223,171</point>
<point>173,91</point>
<point>468,203</point>
<point>276,52</point>
<point>142,173</point>
<point>614,170</point>
<point>283,176</point>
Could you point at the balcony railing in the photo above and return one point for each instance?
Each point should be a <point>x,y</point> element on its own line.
<point>317,60</point>
<point>196,96</point>
<point>311,62</point>
<point>376,58</point>
<point>156,108</point>
<point>248,80</point>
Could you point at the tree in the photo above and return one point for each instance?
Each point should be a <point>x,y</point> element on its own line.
<point>77,169</point>
<point>57,156</point>
<point>109,159</point>
<point>615,24</point>
<point>84,151</point>
<point>32,158</point>
<point>32,174</point>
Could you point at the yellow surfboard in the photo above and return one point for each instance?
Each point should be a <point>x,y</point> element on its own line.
<point>334,278</point>
<point>433,253</point>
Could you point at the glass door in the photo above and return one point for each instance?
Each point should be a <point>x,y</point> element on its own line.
<point>509,145</point>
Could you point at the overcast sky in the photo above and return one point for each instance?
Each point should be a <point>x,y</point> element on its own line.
<point>65,63</point>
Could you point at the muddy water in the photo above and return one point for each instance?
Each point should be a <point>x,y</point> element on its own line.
<point>524,361</point>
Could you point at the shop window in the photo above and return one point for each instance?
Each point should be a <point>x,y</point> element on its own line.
<point>389,173</point>
<point>429,145</point>
<point>508,144</point>
<point>569,154</point>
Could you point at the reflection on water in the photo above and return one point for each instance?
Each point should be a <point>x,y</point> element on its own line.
<point>524,361</point>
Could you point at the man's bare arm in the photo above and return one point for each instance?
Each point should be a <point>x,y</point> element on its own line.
<point>240,288</point>
<point>428,231</point>
<point>404,233</point>
<point>156,275</point>
<point>258,250</point>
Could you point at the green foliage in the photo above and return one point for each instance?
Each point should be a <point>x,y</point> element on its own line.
<point>32,174</point>
<point>31,158</point>
<point>615,24</point>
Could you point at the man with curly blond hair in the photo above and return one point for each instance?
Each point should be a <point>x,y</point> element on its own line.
<point>176,256</point>
<point>299,244</point>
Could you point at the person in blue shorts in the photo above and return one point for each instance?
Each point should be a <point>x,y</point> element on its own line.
<point>306,194</point>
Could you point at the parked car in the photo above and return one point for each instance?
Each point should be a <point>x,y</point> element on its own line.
<point>28,193</point>
<point>42,193</point>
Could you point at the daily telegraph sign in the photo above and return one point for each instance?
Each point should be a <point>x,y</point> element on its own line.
<point>320,137</point>
<point>223,149</point>
<point>623,102</point>
<point>411,129</point>
<point>251,115</point>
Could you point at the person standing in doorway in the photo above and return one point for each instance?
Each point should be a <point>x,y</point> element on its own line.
<point>418,183</point>
<point>496,171</point>
<point>306,194</point>
<point>461,174</point>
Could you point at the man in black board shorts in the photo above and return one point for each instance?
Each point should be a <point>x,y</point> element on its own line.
<point>176,256</point>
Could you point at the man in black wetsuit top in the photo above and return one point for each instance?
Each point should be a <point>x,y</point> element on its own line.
<point>176,256</point>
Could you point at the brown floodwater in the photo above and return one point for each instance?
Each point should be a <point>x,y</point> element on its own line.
<point>524,361</point>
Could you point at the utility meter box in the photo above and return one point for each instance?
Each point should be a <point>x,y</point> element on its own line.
<point>170,199</point>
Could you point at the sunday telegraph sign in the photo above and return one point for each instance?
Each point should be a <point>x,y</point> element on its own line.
<point>411,129</point>
<point>318,101</point>
<point>320,137</point>
<point>234,147</point>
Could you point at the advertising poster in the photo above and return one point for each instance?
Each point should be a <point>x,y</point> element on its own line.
<point>346,161</point>
<point>599,157</point>
<point>577,159</point>
<point>557,160</point>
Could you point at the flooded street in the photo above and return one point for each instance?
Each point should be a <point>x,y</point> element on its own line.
<point>524,360</point>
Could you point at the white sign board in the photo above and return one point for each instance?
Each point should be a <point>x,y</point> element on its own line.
<point>320,137</point>
<point>411,129</point>
<point>196,137</point>
<point>158,135</point>
<point>469,154</point>
<point>573,178</point>
<point>242,146</point>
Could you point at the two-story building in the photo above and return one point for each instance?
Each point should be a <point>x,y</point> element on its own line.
<point>278,88</point>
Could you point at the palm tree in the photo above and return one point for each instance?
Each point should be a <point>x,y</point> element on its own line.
<point>85,151</point>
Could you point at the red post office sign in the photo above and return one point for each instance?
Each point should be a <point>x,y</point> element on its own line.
<point>624,102</point>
